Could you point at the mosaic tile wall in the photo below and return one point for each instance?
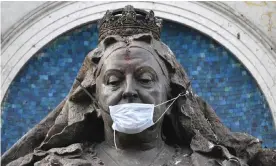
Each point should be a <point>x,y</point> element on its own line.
<point>215,73</point>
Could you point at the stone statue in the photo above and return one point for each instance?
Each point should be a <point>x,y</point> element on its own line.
<point>170,125</point>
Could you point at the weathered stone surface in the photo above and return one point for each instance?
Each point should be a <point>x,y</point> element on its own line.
<point>134,68</point>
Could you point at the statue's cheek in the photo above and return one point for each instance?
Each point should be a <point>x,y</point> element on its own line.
<point>158,92</point>
<point>111,97</point>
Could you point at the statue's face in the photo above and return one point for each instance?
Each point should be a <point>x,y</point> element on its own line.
<point>132,76</point>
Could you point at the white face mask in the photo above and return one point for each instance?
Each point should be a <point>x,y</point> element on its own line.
<point>133,118</point>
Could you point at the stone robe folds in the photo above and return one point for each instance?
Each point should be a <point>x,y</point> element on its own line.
<point>70,134</point>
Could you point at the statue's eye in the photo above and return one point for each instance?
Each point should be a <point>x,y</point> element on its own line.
<point>145,78</point>
<point>113,80</point>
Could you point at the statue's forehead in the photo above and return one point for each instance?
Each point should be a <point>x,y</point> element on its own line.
<point>133,44</point>
<point>127,51</point>
<point>126,45</point>
<point>130,57</point>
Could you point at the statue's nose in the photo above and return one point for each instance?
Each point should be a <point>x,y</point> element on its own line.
<point>130,90</point>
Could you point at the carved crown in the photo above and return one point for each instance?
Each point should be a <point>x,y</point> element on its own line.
<point>129,21</point>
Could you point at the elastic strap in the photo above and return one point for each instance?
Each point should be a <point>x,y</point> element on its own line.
<point>115,140</point>
<point>173,100</point>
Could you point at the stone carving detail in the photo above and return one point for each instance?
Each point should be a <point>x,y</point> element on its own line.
<point>131,65</point>
<point>129,21</point>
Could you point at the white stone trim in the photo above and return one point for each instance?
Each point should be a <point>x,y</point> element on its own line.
<point>215,19</point>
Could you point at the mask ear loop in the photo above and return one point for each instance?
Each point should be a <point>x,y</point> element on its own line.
<point>115,140</point>
<point>173,100</point>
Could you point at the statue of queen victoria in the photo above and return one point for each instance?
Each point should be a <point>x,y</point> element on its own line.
<point>132,104</point>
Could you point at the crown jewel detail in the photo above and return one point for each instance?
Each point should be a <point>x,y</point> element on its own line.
<point>129,21</point>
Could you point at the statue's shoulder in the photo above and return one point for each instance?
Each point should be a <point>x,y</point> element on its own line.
<point>74,154</point>
<point>264,157</point>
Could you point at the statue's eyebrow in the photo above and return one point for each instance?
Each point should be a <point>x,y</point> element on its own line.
<point>111,71</point>
<point>142,69</point>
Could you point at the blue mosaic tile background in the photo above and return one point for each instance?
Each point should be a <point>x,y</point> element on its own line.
<point>216,75</point>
